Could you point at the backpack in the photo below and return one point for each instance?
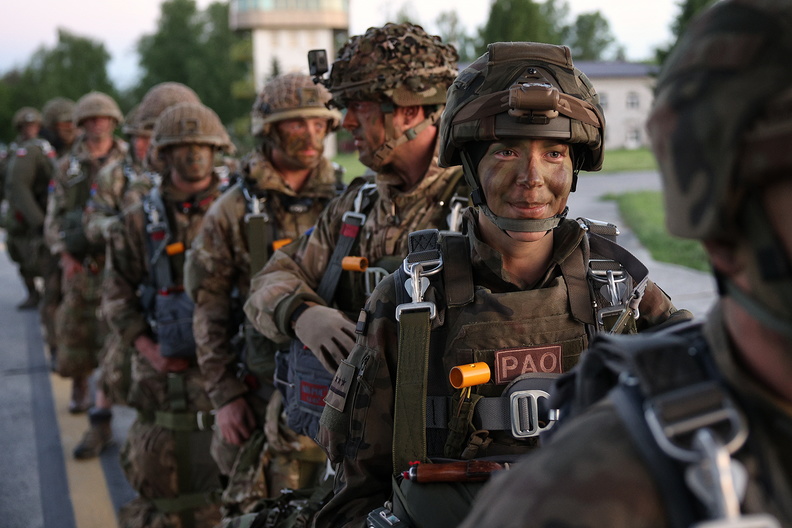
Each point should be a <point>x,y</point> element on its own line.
<point>680,416</point>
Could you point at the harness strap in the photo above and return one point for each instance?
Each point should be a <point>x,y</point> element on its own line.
<point>189,421</point>
<point>351,223</point>
<point>159,236</point>
<point>177,396</point>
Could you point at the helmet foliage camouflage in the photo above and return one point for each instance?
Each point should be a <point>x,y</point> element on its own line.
<point>26,115</point>
<point>397,62</point>
<point>158,98</point>
<point>96,104</point>
<point>289,96</point>
<point>523,90</point>
<point>57,110</point>
<point>721,124</point>
<point>190,123</point>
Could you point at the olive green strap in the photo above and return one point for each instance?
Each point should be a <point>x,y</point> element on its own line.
<point>260,237</point>
<point>409,420</point>
<point>177,396</point>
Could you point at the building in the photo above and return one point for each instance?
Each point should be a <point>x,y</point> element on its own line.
<point>283,31</point>
<point>626,91</point>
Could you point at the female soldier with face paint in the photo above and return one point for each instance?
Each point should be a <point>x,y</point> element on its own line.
<point>519,295</point>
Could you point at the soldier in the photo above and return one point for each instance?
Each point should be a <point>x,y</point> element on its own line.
<point>695,432</point>
<point>284,187</point>
<point>27,176</point>
<point>166,455</point>
<point>58,125</point>
<point>119,185</point>
<point>57,128</point>
<point>512,297</point>
<point>80,332</point>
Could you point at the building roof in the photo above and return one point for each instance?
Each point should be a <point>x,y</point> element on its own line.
<point>600,69</point>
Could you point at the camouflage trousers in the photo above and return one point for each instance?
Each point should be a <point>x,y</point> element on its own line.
<point>53,295</point>
<point>166,458</point>
<point>273,459</point>
<point>115,377</point>
<point>80,329</point>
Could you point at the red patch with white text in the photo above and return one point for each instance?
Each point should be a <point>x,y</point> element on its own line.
<point>514,362</point>
<point>313,394</point>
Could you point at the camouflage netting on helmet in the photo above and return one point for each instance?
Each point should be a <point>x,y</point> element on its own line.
<point>397,62</point>
<point>96,104</point>
<point>190,123</point>
<point>290,96</point>
<point>158,98</point>
<point>721,125</point>
<point>58,110</point>
<point>25,115</point>
<point>505,93</point>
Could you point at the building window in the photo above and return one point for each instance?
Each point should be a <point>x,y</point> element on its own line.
<point>633,100</point>
<point>633,138</point>
<point>603,100</point>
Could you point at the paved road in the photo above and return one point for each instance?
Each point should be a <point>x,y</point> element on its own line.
<point>43,487</point>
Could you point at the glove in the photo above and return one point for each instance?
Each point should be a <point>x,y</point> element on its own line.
<point>328,333</point>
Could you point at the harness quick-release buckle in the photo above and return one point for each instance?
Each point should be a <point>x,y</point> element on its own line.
<point>674,418</point>
<point>372,277</point>
<point>417,284</point>
<point>524,410</point>
<point>204,420</point>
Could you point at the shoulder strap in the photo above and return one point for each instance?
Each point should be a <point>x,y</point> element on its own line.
<point>260,230</point>
<point>351,223</point>
<point>159,236</point>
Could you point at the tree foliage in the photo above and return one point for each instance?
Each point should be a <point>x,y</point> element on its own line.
<point>590,36</point>
<point>199,49</point>
<point>73,67</point>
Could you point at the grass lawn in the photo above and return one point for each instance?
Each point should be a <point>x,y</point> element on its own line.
<point>629,160</point>
<point>643,212</point>
<point>352,165</point>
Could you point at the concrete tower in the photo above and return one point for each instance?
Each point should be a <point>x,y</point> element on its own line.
<point>283,31</point>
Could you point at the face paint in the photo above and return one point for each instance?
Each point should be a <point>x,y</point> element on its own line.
<point>301,142</point>
<point>366,122</point>
<point>192,162</point>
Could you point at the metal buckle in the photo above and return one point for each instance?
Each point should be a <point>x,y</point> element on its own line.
<point>454,218</point>
<point>668,433</point>
<point>416,286</point>
<point>372,277</point>
<point>204,420</point>
<point>524,411</point>
<point>352,214</point>
<point>416,307</point>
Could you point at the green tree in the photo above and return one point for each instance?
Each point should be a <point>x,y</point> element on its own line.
<point>452,32</point>
<point>199,49</point>
<point>73,67</point>
<point>687,10</point>
<point>515,20</point>
<point>591,37</point>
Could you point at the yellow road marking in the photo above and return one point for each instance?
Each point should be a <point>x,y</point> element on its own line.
<point>87,485</point>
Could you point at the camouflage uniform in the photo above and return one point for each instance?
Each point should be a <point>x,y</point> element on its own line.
<point>261,209</point>
<point>502,316</point>
<point>720,139</point>
<point>29,172</point>
<point>81,334</point>
<point>151,465</point>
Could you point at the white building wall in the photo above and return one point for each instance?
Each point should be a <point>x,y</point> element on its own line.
<point>290,47</point>
<point>627,102</point>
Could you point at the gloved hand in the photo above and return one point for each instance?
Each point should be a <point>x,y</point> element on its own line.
<point>328,333</point>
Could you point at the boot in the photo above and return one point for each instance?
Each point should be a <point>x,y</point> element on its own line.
<point>80,399</point>
<point>98,436</point>
<point>33,298</point>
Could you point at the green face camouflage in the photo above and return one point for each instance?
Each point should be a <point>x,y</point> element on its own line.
<point>397,63</point>
<point>720,125</point>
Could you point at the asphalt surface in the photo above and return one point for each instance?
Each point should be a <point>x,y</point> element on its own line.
<point>41,486</point>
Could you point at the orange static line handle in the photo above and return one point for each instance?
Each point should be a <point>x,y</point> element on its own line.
<point>469,375</point>
<point>277,244</point>
<point>174,249</point>
<point>354,263</point>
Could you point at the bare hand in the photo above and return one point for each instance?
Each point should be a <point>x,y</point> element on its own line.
<point>236,421</point>
<point>70,265</point>
<point>151,351</point>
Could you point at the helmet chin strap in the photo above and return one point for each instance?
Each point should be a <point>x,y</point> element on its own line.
<point>520,225</point>
<point>391,141</point>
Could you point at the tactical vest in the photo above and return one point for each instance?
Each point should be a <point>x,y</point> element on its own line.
<point>524,339</point>
<point>168,307</point>
<point>305,381</point>
<point>680,416</point>
<point>78,192</point>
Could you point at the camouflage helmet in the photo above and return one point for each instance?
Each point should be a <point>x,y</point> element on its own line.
<point>190,123</point>
<point>96,104</point>
<point>720,125</point>
<point>158,98</point>
<point>293,95</point>
<point>398,63</point>
<point>26,115</point>
<point>132,123</point>
<point>57,110</point>
<point>521,90</point>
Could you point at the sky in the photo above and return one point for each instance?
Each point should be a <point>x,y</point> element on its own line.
<point>118,24</point>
